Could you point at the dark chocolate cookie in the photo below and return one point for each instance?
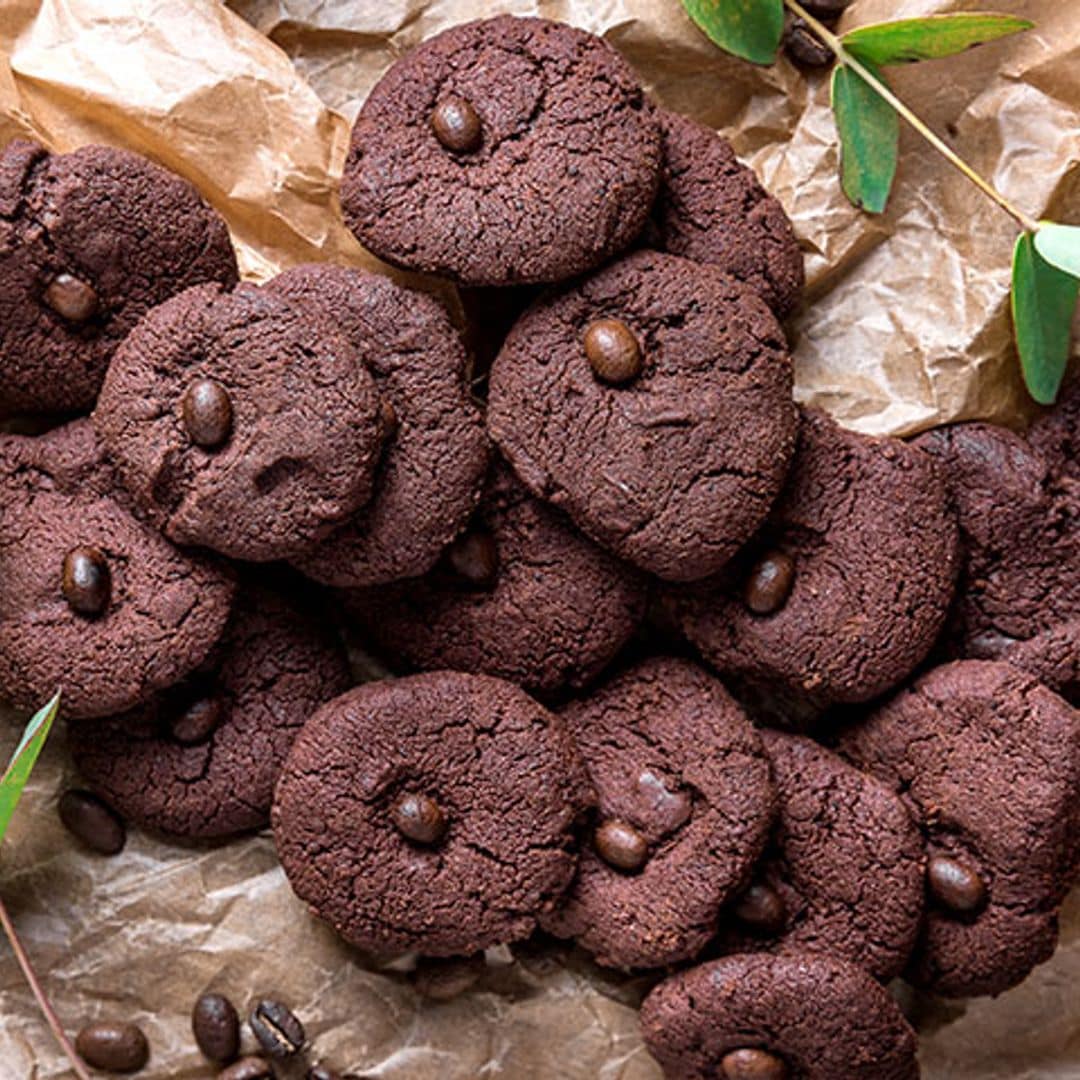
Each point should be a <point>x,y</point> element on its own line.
<point>713,209</point>
<point>799,1016</point>
<point>433,464</point>
<point>201,760</point>
<point>521,595</point>
<point>91,600</point>
<point>434,813</point>
<point>988,761</point>
<point>1056,434</point>
<point>846,587</point>
<point>501,152</point>
<point>652,402</point>
<point>241,422</point>
<point>685,807</point>
<point>89,242</point>
<point>844,870</point>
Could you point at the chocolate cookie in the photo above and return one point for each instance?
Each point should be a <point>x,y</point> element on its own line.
<point>201,760</point>
<point>89,242</point>
<point>1056,434</point>
<point>652,402</point>
<point>241,422</point>
<point>712,209</point>
<point>802,1016</point>
<point>988,761</point>
<point>521,595</point>
<point>502,152</point>
<point>685,806</point>
<point>91,600</point>
<point>433,464</point>
<point>844,870</point>
<point>434,813</point>
<point>845,588</point>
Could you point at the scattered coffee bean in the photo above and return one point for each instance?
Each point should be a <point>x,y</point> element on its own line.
<point>216,1027</point>
<point>613,351</point>
<point>620,845</point>
<point>761,909</point>
<point>86,581</point>
<point>248,1068</point>
<point>198,721</point>
<point>457,125</point>
<point>88,819</point>
<point>321,1072</point>
<point>769,583</point>
<point>419,817</point>
<point>208,413</point>
<point>115,1048</point>
<point>443,980</point>
<point>71,298</point>
<point>803,46</point>
<point>955,886</point>
<point>474,556</point>
<point>752,1065</point>
<point>276,1027</point>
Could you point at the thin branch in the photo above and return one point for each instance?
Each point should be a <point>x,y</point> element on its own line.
<point>39,992</point>
<point>1026,221</point>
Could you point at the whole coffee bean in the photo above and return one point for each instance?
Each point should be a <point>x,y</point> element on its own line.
<point>457,125</point>
<point>208,413</point>
<point>752,1065</point>
<point>248,1068</point>
<point>88,819</point>
<point>216,1028</point>
<point>276,1027</point>
<point>769,583</point>
<point>198,721</point>
<point>803,45</point>
<point>71,298</point>
<point>86,581</point>
<point>612,351</point>
<point>620,845</point>
<point>474,556</point>
<point>321,1072</point>
<point>115,1048</point>
<point>419,817</point>
<point>955,886</point>
<point>761,909</point>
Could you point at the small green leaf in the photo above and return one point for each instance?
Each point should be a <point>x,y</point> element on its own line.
<point>869,136</point>
<point>1059,245</point>
<point>750,29</point>
<point>905,40</point>
<point>1043,302</point>
<point>22,761</point>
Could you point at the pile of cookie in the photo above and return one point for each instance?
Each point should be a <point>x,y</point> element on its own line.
<point>689,675</point>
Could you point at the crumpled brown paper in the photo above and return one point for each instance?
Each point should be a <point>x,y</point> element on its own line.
<point>908,328</point>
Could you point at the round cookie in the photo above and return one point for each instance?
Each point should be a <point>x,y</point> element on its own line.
<point>802,1016</point>
<point>434,460</point>
<point>674,468</point>
<point>91,600</point>
<point>434,813</point>
<point>501,152</point>
<point>89,242</point>
<point>521,595</point>
<point>987,760</point>
<point>680,770</point>
<point>711,208</point>
<point>241,422</point>
<point>845,588</point>
<point>201,760</point>
<point>844,870</point>
<point>1056,434</point>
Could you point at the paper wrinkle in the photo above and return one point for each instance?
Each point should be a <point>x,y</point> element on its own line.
<point>909,328</point>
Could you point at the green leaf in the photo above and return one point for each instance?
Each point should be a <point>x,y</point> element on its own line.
<point>928,38</point>
<point>1043,302</point>
<point>22,761</point>
<point>750,29</point>
<point>869,136</point>
<point>1059,245</point>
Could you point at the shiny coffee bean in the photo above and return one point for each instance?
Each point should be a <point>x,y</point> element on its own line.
<point>115,1048</point>
<point>613,351</point>
<point>198,721</point>
<point>761,910</point>
<point>86,581</point>
<point>955,886</point>
<point>474,556</point>
<point>277,1028</point>
<point>88,819</point>
<point>248,1068</point>
<point>457,125</point>
<point>769,583</point>
<point>444,980</point>
<point>321,1072</point>
<point>803,46</point>
<point>208,413</point>
<point>671,808</point>
<point>419,817</point>
<point>620,845</point>
<point>752,1065</point>
<point>71,298</point>
<point>216,1027</point>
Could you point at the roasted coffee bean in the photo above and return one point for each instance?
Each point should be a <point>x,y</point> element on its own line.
<point>761,909</point>
<point>443,980</point>
<point>769,583</point>
<point>613,351</point>
<point>198,721</point>
<point>457,125</point>
<point>248,1068</point>
<point>71,298</point>
<point>88,819</point>
<point>115,1048</point>
<point>216,1028</point>
<point>208,413</point>
<point>419,817</point>
<point>672,808</point>
<point>474,556</point>
<point>86,581</point>
<point>803,46</point>
<point>955,886</point>
<point>321,1072</point>
<point>276,1027</point>
<point>752,1065</point>
<point>620,845</point>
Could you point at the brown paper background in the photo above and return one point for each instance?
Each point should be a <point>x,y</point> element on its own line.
<point>908,328</point>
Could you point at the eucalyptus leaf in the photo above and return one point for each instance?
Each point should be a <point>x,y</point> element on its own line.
<point>1043,302</point>
<point>1059,245</point>
<point>869,138</point>
<point>929,38</point>
<point>22,761</point>
<point>750,29</point>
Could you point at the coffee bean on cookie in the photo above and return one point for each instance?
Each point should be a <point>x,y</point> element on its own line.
<point>769,583</point>
<point>208,413</point>
<point>621,845</point>
<point>761,910</point>
<point>955,886</point>
<point>613,351</point>
<point>420,818</point>
<point>457,125</point>
<point>474,556</point>
<point>75,300</point>
<point>198,721</point>
<point>753,1065</point>
<point>87,581</point>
